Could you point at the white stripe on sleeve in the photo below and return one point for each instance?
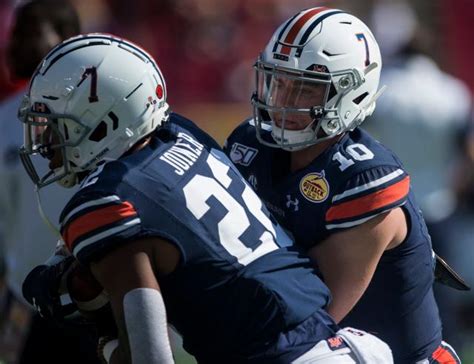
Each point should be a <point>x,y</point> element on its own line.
<point>100,201</point>
<point>368,186</point>
<point>105,234</point>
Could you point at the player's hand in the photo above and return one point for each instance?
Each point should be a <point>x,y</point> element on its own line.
<point>92,301</point>
<point>42,288</point>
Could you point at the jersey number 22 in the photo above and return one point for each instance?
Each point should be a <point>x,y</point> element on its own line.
<point>230,229</point>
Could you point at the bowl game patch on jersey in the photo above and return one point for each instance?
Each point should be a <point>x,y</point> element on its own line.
<point>315,187</point>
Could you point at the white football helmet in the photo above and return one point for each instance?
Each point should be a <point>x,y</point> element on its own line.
<point>92,98</point>
<point>322,65</point>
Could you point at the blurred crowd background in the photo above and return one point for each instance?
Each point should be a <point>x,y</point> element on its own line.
<point>206,50</point>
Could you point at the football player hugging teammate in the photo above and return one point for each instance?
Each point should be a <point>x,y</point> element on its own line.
<point>164,226</point>
<point>344,197</point>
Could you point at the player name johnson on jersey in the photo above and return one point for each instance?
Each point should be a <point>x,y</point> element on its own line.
<point>352,181</point>
<point>230,297</point>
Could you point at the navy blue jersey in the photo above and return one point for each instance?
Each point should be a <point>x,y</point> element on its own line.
<point>240,282</point>
<point>352,181</point>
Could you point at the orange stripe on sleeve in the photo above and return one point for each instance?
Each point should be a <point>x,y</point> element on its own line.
<point>443,356</point>
<point>290,37</point>
<point>96,219</point>
<point>371,202</point>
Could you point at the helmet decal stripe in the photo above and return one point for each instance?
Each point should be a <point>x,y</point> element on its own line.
<point>99,39</point>
<point>290,37</point>
<point>361,37</point>
<point>61,55</point>
<point>283,31</point>
<point>310,29</point>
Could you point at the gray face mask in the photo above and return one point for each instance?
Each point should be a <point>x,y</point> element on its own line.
<point>292,104</point>
<point>44,139</point>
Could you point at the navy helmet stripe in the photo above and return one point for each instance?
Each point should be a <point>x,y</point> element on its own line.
<point>310,29</point>
<point>97,39</point>
<point>283,31</point>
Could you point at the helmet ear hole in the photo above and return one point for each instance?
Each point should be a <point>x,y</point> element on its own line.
<point>360,98</point>
<point>99,133</point>
<point>115,120</point>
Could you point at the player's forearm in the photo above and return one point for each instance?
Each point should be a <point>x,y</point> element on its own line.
<point>348,259</point>
<point>138,306</point>
<point>346,280</point>
<point>345,295</point>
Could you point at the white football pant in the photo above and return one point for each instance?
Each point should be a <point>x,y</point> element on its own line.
<point>348,346</point>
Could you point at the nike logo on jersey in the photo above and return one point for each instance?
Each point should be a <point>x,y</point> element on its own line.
<point>182,155</point>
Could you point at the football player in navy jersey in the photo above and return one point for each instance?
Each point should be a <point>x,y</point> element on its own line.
<point>167,225</point>
<point>340,193</point>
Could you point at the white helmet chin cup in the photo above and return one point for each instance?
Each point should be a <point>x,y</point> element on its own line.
<point>100,94</point>
<point>325,46</point>
<point>299,138</point>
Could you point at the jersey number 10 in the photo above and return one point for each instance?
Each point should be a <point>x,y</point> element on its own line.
<point>357,152</point>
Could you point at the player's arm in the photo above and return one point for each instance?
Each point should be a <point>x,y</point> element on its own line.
<point>347,259</point>
<point>128,274</point>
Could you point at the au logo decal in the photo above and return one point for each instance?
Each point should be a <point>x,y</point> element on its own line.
<point>314,187</point>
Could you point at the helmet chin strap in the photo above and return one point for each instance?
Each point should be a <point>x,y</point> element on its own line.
<point>378,94</point>
<point>44,217</point>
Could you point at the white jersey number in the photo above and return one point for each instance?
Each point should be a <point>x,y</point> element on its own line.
<point>358,152</point>
<point>198,190</point>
